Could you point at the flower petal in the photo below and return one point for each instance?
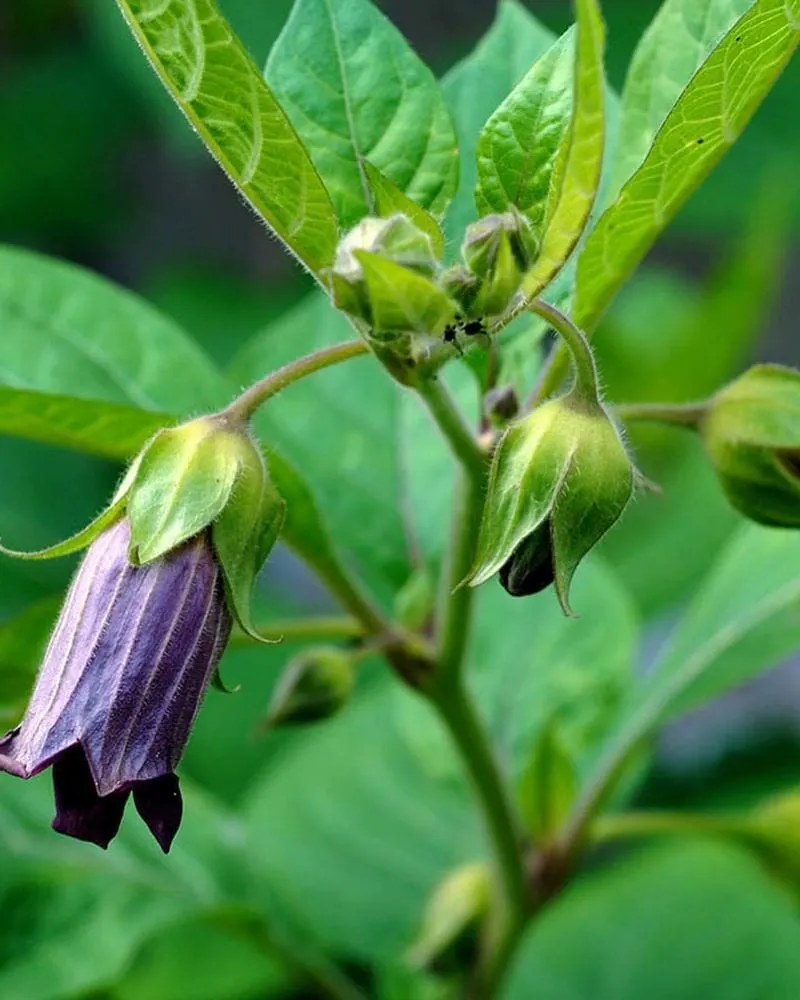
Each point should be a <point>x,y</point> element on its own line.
<point>80,811</point>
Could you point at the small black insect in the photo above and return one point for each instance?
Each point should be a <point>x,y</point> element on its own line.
<point>474,328</point>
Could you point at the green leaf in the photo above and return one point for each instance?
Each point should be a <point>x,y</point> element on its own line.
<point>401,299</point>
<point>356,91</point>
<point>678,923</point>
<point>582,153</point>
<point>389,200</point>
<point>111,430</point>
<point>706,119</point>
<point>522,148</point>
<point>477,85</point>
<point>207,70</point>
<point>679,39</point>
<point>742,621</point>
<point>548,785</point>
<point>71,333</point>
<point>76,917</point>
<point>348,813</point>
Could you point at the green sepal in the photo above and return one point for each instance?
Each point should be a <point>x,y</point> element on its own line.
<point>185,478</point>
<point>403,301</point>
<point>457,905</point>
<point>548,786</point>
<point>528,466</point>
<point>85,537</point>
<point>390,200</point>
<point>219,684</point>
<point>592,499</point>
<point>245,532</point>
<point>501,283</point>
<point>313,687</point>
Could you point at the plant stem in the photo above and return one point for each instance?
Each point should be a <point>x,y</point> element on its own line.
<point>453,426</point>
<point>554,372</point>
<point>686,415</point>
<point>244,406</point>
<point>448,694</point>
<point>455,599</point>
<point>458,713</point>
<point>582,356</point>
<point>646,824</point>
<point>331,627</point>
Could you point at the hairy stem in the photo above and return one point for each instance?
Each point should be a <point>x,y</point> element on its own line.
<point>244,406</point>
<point>582,356</point>
<point>453,426</point>
<point>555,370</point>
<point>328,627</point>
<point>458,713</point>
<point>688,415</point>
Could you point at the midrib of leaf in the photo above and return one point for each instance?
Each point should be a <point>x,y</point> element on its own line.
<point>348,110</point>
<point>652,709</point>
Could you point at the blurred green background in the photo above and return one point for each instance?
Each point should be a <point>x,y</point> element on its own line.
<point>98,167</point>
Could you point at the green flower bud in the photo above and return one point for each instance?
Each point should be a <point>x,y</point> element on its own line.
<point>751,432</point>
<point>498,250</point>
<point>396,239</point>
<point>458,903</point>
<point>462,286</point>
<point>314,686</point>
<point>560,478</point>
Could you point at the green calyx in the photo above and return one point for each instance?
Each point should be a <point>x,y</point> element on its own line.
<point>560,478</point>
<point>204,475</point>
<point>314,686</point>
<point>207,474</point>
<point>751,432</point>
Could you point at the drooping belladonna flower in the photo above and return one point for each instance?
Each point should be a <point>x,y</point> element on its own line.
<point>127,666</point>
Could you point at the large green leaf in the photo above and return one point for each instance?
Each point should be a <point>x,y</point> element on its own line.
<point>580,157</point>
<point>355,91</point>
<point>521,149</point>
<point>689,921</point>
<point>349,815</point>
<point>705,120</point>
<point>75,916</point>
<point>477,85</point>
<point>675,45</point>
<point>93,426</point>
<point>743,620</point>
<point>219,89</point>
<point>69,332</point>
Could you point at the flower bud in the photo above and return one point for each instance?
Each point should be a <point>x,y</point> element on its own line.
<point>751,432</point>
<point>560,478</point>
<point>498,250</point>
<point>314,686</point>
<point>396,239</point>
<point>456,906</point>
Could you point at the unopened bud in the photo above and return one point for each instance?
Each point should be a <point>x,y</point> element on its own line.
<point>314,686</point>
<point>560,478</point>
<point>751,431</point>
<point>456,906</point>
